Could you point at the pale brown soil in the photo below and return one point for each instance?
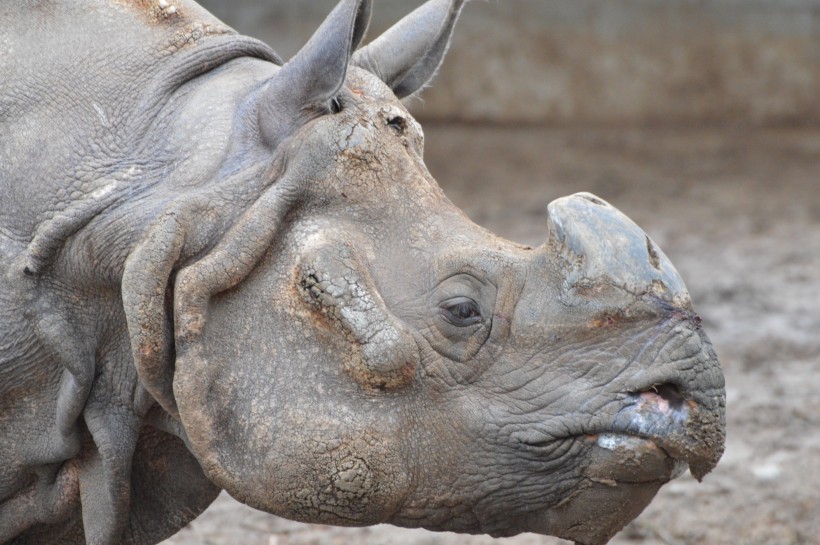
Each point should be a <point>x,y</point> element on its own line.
<point>738,212</point>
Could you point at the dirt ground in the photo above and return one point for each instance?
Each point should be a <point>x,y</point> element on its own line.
<point>738,213</point>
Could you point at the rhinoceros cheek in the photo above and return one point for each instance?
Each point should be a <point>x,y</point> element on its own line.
<point>350,480</point>
<point>301,461</point>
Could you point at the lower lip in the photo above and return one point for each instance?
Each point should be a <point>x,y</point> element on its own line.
<point>641,453</point>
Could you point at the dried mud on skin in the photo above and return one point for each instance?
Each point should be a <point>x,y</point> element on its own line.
<point>738,213</point>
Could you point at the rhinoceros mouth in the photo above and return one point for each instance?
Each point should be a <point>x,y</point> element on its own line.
<point>649,442</point>
<point>657,412</point>
<point>656,435</point>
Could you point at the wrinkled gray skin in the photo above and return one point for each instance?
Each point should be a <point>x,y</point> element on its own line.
<point>220,272</point>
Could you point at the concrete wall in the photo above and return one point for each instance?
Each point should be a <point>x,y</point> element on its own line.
<point>598,61</point>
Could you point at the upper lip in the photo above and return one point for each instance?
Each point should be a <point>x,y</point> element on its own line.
<point>671,392</point>
<point>661,413</point>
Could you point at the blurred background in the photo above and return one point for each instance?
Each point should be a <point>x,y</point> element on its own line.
<point>700,119</point>
<point>610,62</point>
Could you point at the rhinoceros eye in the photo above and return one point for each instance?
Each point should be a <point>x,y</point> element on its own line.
<point>335,105</point>
<point>398,124</point>
<point>461,311</point>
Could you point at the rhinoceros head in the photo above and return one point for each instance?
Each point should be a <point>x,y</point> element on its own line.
<point>354,350</point>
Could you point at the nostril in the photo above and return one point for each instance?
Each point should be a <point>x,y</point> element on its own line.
<point>671,393</point>
<point>398,124</point>
<point>666,396</point>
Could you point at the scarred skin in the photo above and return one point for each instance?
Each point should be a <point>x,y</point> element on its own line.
<point>218,272</point>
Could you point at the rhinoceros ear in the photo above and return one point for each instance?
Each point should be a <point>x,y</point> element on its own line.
<point>305,87</point>
<point>408,55</point>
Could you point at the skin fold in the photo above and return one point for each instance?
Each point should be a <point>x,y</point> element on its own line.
<point>222,271</point>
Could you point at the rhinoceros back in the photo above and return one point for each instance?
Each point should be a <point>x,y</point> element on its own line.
<point>80,86</point>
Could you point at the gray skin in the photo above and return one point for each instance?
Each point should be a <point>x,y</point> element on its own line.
<point>221,272</point>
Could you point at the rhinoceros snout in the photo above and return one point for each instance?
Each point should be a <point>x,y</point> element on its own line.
<point>676,402</point>
<point>601,244</point>
<point>611,274</point>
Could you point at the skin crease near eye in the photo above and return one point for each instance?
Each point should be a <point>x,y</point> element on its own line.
<point>335,105</point>
<point>462,307</point>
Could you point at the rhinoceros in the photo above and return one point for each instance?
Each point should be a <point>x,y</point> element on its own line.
<point>221,271</point>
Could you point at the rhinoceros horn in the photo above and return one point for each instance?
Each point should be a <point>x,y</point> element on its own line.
<point>305,87</point>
